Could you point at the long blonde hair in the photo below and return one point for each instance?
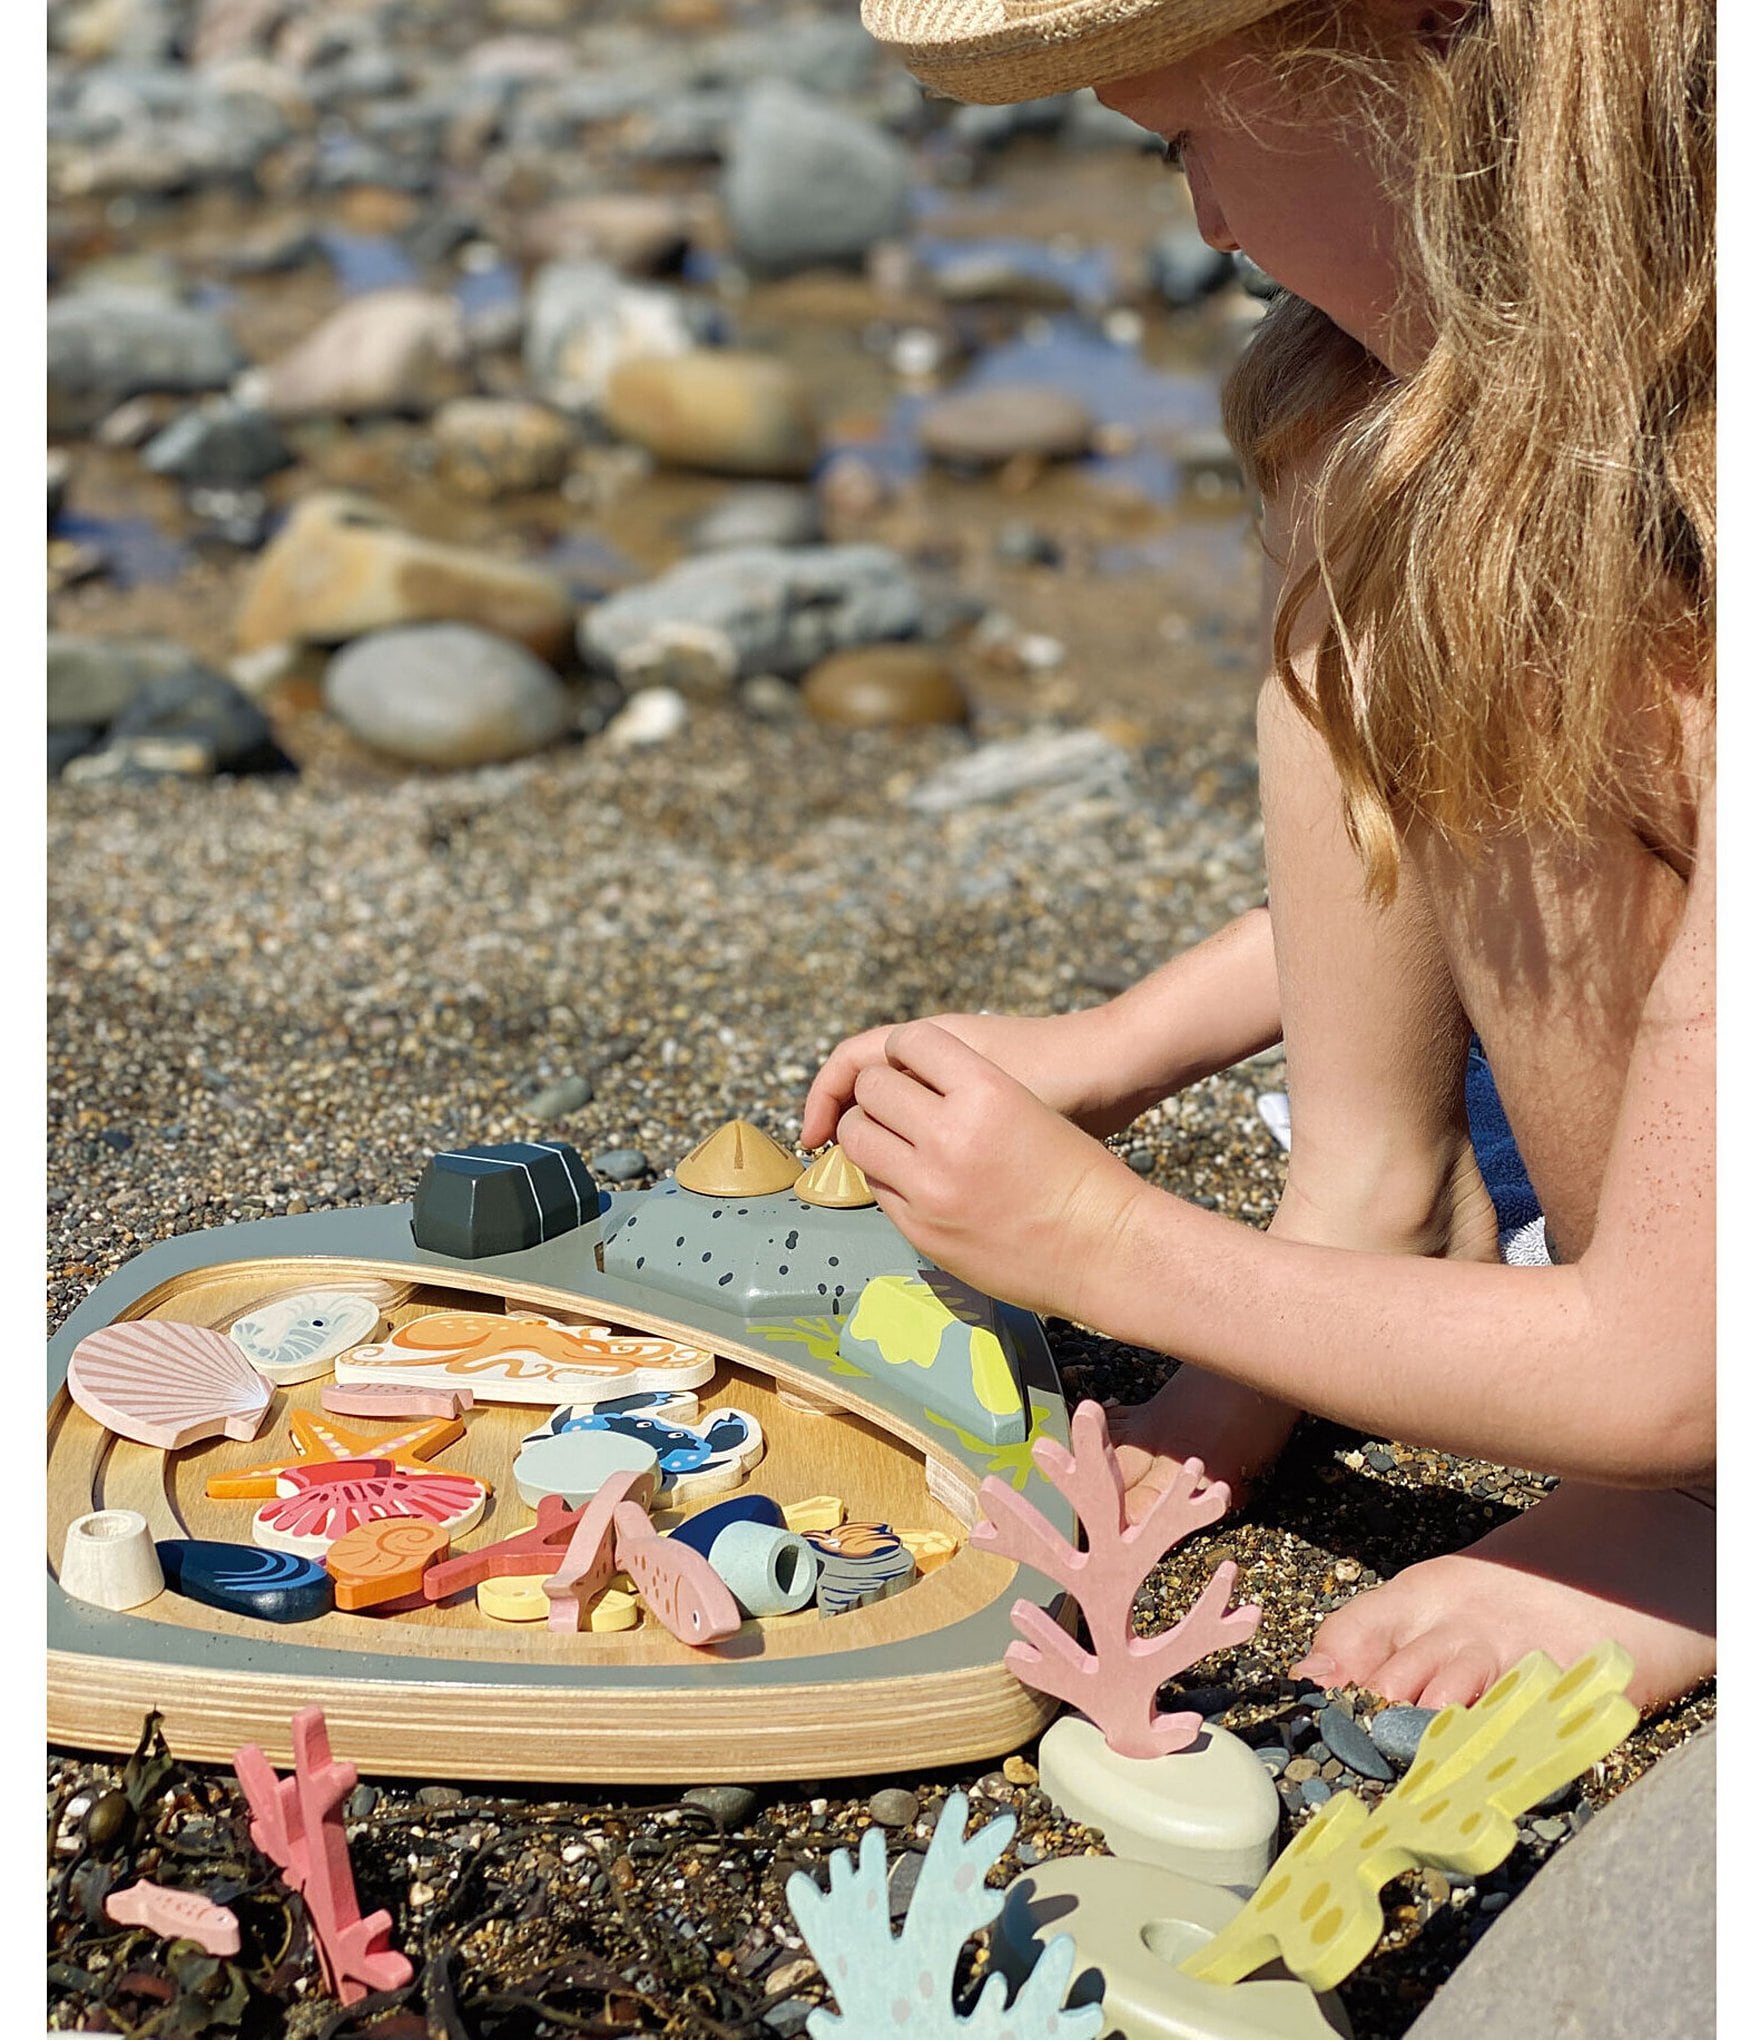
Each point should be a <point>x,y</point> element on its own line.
<point>1515,544</point>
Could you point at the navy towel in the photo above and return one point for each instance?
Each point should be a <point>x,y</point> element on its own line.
<point>1500,1161</point>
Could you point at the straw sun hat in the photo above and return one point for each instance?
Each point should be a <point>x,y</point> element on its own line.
<point>998,51</point>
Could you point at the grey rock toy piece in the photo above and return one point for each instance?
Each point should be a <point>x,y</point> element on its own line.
<point>477,1201</point>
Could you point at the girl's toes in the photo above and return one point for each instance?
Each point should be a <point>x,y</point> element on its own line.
<point>1469,1673</point>
<point>1405,1673</point>
<point>1351,1641</point>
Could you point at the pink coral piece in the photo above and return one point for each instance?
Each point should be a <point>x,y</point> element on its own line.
<point>297,1823</point>
<point>677,1582</point>
<point>1115,1683</point>
<point>178,1915</point>
<point>589,1562</point>
<point>318,1504</point>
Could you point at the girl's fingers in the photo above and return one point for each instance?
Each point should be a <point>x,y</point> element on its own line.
<point>933,1056</point>
<point>877,1151</point>
<point>834,1088</point>
<point>898,1101</point>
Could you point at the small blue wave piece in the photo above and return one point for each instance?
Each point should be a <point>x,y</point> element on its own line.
<point>246,1579</point>
<point>701,1530</point>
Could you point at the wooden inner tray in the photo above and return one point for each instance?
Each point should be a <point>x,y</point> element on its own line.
<point>445,1691</point>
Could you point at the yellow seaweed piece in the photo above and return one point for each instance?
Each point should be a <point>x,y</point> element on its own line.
<point>1477,1769</point>
<point>905,1320</point>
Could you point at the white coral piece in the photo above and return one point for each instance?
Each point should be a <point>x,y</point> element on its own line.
<point>885,1984</point>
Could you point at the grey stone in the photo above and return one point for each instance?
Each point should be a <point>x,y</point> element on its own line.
<point>1397,1731</point>
<point>220,442</point>
<point>894,1807</point>
<point>201,707</point>
<point>1184,268</point>
<point>770,1256</point>
<point>731,1805</point>
<point>808,183</point>
<point>1072,763</point>
<point>1351,1744</point>
<point>1315,1791</point>
<point>901,1883</point>
<point>557,1100</point>
<point>60,469</point>
<point>764,513</point>
<point>789,2017</point>
<point>92,680</point>
<point>105,345</point>
<point>446,694</point>
<point>1273,1758</point>
<point>1615,1938</point>
<point>619,1165</point>
<point>993,127</point>
<point>68,743</point>
<point>782,609</point>
<point>361,1802</point>
<point>836,59</point>
<point>583,319</point>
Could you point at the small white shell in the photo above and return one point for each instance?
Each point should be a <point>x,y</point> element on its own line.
<point>166,1384</point>
<point>299,1337</point>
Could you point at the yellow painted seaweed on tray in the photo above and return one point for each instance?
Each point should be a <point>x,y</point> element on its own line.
<point>1477,1769</point>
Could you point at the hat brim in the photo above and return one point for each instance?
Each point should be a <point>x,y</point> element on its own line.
<point>992,54</point>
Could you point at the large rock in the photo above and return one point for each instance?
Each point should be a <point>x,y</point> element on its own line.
<point>105,345</point>
<point>733,414</point>
<point>808,183</point>
<point>502,446</point>
<point>779,610</point>
<point>445,694</point>
<point>882,687</point>
<point>340,567</point>
<point>1616,1938</point>
<point>91,680</point>
<point>985,427</point>
<point>204,710</point>
<point>583,320</point>
<point>396,350</point>
<point>220,444</point>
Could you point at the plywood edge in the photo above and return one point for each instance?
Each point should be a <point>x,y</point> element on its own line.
<point>643,1737</point>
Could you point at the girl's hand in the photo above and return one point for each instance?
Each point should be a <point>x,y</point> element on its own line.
<point>982,1176</point>
<point>1062,1059</point>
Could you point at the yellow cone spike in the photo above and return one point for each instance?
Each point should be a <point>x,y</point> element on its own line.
<point>835,1182</point>
<point>740,1160</point>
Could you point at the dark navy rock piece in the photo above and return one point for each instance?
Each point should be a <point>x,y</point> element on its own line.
<point>701,1530</point>
<point>245,1579</point>
<point>477,1201</point>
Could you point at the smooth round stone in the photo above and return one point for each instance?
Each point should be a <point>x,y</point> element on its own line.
<point>731,1805</point>
<point>1351,1744</point>
<point>1133,1925</point>
<point>877,687</point>
<point>446,694</point>
<point>761,513</point>
<point>502,446</point>
<point>619,1165</point>
<point>557,1100</point>
<point>894,1807</point>
<point>650,716</point>
<point>985,427</point>
<point>1397,1731</point>
<point>731,413</point>
<point>397,350</point>
<point>807,183</point>
<point>1210,1811</point>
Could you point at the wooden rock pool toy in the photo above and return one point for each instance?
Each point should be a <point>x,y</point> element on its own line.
<point>383,1560</point>
<point>109,1560</point>
<point>479,1201</point>
<point>298,1337</point>
<point>521,1598</point>
<point>677,1583</point>
<point>904,1984</point>
<point>321,1441</point>
<point>297,1823</point>
<point>955,1335</point>
<point>525,1358</point>
<point>767,1571</point>
<point>575,1465</point>
<point>442,1689</point>
<point>834,1183</point>
<point>587,1565</point>
<point>178,1915</point>
<point>700,1531</point>
<point>387,1399</point>
<point>167,1384</point>
<point>319,1504</point>
<point>1163,1788</point>
<point>859,1563</point>
<point>737,1160</point>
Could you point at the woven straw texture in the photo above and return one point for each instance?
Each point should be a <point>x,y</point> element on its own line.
<point>994,52</point>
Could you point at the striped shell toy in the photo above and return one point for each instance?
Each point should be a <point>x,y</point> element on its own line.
<point>167,1384</point>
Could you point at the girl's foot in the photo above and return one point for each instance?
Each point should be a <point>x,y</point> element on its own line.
<point>1585,1564</point>
<point>1235,1432</point>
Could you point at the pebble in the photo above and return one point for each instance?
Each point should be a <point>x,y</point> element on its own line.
<point>759,513</point>
<point>1347,1741</point>
<point>712,408</point>
<point>1019,1770</point>
<point>808,183</point>
<point>199,710</point>
<point>652,715</point>
<point>221,443</point>
<point>108,344</point>
<point>1184,269</point>
<point>397,351</point>
<point>637,232</point>
<point>1315,1791</point>
<point>1001,421</point>
<point>583,320</point>
<point>107,1821</point>
<point>894,1807</point>
<point>444,694</point>
<point>1070,762</point>
<point>619,1165</point>
<point>1020,544</point>
<point>1275,1760</point>
<point>1551,1829</point>
<point>1397,1731</point>
<point>781,608</point>
<point>901,1882</point>
<point>788,2018</point>
<point>439,1796</point>
<point>91,680</point>
<point>885,687</point>
<point>502,446</point>
<point>340,567</point>
<point>731,1805</point>
<point>558,1100</point>
<point>361,1802</point>
<point>1299,1770</point>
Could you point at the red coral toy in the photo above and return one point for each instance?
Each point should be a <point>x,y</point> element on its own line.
<point>1114,1684</point>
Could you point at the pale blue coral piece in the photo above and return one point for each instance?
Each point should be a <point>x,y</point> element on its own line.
<point>904,1984</point>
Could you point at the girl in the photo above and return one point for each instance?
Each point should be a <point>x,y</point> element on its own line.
<point>1481,421</point>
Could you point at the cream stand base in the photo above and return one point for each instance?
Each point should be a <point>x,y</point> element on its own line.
<point>1210,1812</point>
<point>1133,1925</point>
